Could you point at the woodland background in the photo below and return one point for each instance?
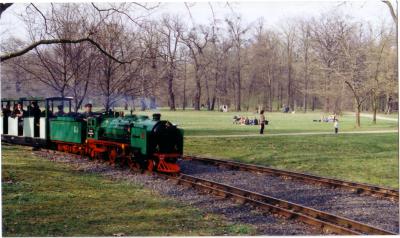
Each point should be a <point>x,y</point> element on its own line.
<point>114,55</point>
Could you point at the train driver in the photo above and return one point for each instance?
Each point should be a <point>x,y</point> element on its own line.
<point>60,111</point>
<point>88,110</point>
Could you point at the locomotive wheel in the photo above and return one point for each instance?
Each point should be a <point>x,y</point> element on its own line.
<point>92,154</point>
<point>132,164</point>
<point>59,147</point>
<point>112,157</point>
<point>150,165</point>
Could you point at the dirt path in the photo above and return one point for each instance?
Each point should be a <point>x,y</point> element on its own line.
<point>294,134</point>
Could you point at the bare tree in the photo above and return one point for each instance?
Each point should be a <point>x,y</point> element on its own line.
<point>196,40</point>
<point>305,48</point>
<point>354,67</point>
<point>237,32</point>
<point>289,33</point>
<point>171,31</point>
<point>327,33</point>
<point>84,37</point>
<point>116,80</point>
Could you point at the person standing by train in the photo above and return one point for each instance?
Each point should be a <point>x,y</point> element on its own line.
<point>262,122</point>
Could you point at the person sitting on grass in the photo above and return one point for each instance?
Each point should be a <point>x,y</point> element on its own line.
<point>236,119</point>
<point>255,121</point>
<point>246,121</point>
<point>242,119</point>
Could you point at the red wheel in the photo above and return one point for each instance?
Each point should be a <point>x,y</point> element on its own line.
<point>150,165</point>
<point>132,165</point>
<point>92,154</point>
<point>112,156</point>
<point>59,147</point>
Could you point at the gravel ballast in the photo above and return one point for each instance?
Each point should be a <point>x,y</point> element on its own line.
<point>378,212</point>
<point>266,224</point>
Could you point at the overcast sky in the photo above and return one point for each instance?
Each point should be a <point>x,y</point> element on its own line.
<point>373,11</point>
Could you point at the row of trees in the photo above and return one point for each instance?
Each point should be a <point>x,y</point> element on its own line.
<point>331,63</point>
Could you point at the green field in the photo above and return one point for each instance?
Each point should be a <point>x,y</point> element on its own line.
<point>43,198</point>
<point>218,123</point>
<point>369,158</point>
<point>363,158</point>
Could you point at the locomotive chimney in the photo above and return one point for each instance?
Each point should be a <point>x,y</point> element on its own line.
<point>156,116</point>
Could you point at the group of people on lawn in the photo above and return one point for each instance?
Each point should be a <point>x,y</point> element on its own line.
<point>241,120</point>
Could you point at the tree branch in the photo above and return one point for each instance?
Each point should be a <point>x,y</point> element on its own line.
<point>59,41</point>
<point>4,6</point>
<point>41,13</point>
<point>392,12</point>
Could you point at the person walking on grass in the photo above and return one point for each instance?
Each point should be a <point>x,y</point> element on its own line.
<point>262,122</point>
<point>336,126</point>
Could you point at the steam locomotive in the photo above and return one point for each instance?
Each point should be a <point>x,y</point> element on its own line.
<point>134,140</point>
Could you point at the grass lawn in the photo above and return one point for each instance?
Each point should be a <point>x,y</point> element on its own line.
<point>218,123</point>
<point>369,158</point>
<point>43,198</point>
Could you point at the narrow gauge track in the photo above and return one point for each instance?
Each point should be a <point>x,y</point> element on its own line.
<point>359,188</point>
<point>325,221</point>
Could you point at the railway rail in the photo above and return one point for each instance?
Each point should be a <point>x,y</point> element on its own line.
<point>326,222</point>
<point>359,188</point>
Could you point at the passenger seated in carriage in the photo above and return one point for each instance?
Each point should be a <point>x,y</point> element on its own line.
<point>36,113</point>
<point>6,112</point>
<point>19,113</point>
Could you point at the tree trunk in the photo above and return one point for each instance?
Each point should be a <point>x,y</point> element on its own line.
<point>374,107</point>
<point>358,111</point>
<point>239,95</point>
<point>270,94</point>
<point>198,93</point>
<point>305,102</point>
<point>289,88</point>
<point>208,94</point>
<point>184,89</point>
<point>313,103</point>
<point>213,103</point>
<point>171,91</point>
